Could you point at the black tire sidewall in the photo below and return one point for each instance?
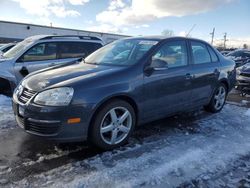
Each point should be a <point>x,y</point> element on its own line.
<point>95,136</point>
<point>211,106</point>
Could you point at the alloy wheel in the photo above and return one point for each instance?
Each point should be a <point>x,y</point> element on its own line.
<point>219,98</point>
<point>116,125</point>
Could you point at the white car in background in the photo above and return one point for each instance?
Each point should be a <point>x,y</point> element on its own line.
<point>40,52</point>
<point>5,47</point>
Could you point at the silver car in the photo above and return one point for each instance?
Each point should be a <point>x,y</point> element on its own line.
<point>5,47</point>
<point>40,52</point>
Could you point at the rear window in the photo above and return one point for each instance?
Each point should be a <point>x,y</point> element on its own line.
<point>76,49</point>
<point>200,53</point>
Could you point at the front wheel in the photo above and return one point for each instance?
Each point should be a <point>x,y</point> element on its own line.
<point>218,99</point>
<point>113,125</point>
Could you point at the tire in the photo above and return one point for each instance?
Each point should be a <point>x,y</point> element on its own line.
<point>218,99</point>
<point>112,125</point>
<point>5,88</point>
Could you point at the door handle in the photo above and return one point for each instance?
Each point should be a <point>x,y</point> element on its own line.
<point>189,76</point>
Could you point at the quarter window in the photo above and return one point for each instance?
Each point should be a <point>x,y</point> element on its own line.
<point>77,49</point>
<point>173,53</point>
<point>43,51</point>
<point>200,53</point>
<point>213,54</point>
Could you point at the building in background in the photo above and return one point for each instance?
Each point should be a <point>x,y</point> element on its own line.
<point>15,32</point>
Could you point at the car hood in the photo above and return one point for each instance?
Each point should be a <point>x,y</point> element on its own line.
<point>245,68</point>
<point>66,75</point>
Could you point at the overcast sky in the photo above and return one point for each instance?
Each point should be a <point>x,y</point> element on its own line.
<point>138,17</point>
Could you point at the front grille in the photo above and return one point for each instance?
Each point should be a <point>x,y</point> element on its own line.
<point>26,95</point>
<point>245,74</point>
<point>42,128</point>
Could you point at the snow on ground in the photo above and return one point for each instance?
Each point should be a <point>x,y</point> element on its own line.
<point>7,119</point>
<point>165,160</point>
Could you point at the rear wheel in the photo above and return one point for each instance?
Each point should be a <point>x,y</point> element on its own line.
<point>113,125</point>
<point>218,100</point>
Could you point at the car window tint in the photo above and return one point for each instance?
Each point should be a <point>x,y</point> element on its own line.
<point>42,51</point>
<point>77,49</point>
<point>173,53</point>
<point>214,57</point>
<point>200,53</point>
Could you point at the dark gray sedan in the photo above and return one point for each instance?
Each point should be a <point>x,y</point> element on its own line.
<point>126,83</point>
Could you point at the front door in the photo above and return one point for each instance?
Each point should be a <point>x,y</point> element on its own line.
<point>168,90</point>
<point>38,57</point>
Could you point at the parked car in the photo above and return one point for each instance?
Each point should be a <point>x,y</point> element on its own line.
<point>240,57</point>
<point>42,51</point>
<point>225,52</point>
<point>243,79</point>
<point>126,83</point>
<point>5,47</point>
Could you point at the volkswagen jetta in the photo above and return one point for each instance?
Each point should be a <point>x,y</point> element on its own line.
<point>126,83</point>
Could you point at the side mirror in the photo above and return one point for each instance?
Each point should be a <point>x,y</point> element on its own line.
<point>158,64</point>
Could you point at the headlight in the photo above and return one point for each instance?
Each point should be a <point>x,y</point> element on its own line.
<point>55,97</point>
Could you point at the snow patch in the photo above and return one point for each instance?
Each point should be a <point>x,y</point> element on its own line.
<point>7,119</point>
<point>247,112</point>
<point>222,138</point>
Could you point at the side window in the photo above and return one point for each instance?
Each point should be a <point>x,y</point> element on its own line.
<point>39,52</point>
<point>200,53</point>
<point>213,54</point>
<point>77,49</point>
<point>173,53</point>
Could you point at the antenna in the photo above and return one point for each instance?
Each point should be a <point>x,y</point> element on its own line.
<point>191,30</point>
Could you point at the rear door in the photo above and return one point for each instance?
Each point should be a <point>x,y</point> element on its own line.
<point>205,71</point>
<point>168,90</point>
<point>76,50</point>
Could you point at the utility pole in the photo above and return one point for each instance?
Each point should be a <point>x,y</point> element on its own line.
<point>225,40</point>
<point>212,34</point>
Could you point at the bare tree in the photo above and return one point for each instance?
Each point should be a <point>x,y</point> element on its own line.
<point>245,46</point>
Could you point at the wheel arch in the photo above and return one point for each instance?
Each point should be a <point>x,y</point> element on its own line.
<point>123,97</point>
<point>7,86</point>
<point>225,82</point>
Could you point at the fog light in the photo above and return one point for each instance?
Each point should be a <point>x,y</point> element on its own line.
<point>74,120</point>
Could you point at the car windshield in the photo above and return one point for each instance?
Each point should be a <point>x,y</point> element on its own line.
<point>121,52</point>
<point>2,46</point>
<point>17,49</point>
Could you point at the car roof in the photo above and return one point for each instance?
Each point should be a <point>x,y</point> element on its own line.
<point>64,37</point>
<point>161,37</point>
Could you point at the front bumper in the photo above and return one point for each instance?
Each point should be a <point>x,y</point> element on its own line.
<point>52,122</point>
